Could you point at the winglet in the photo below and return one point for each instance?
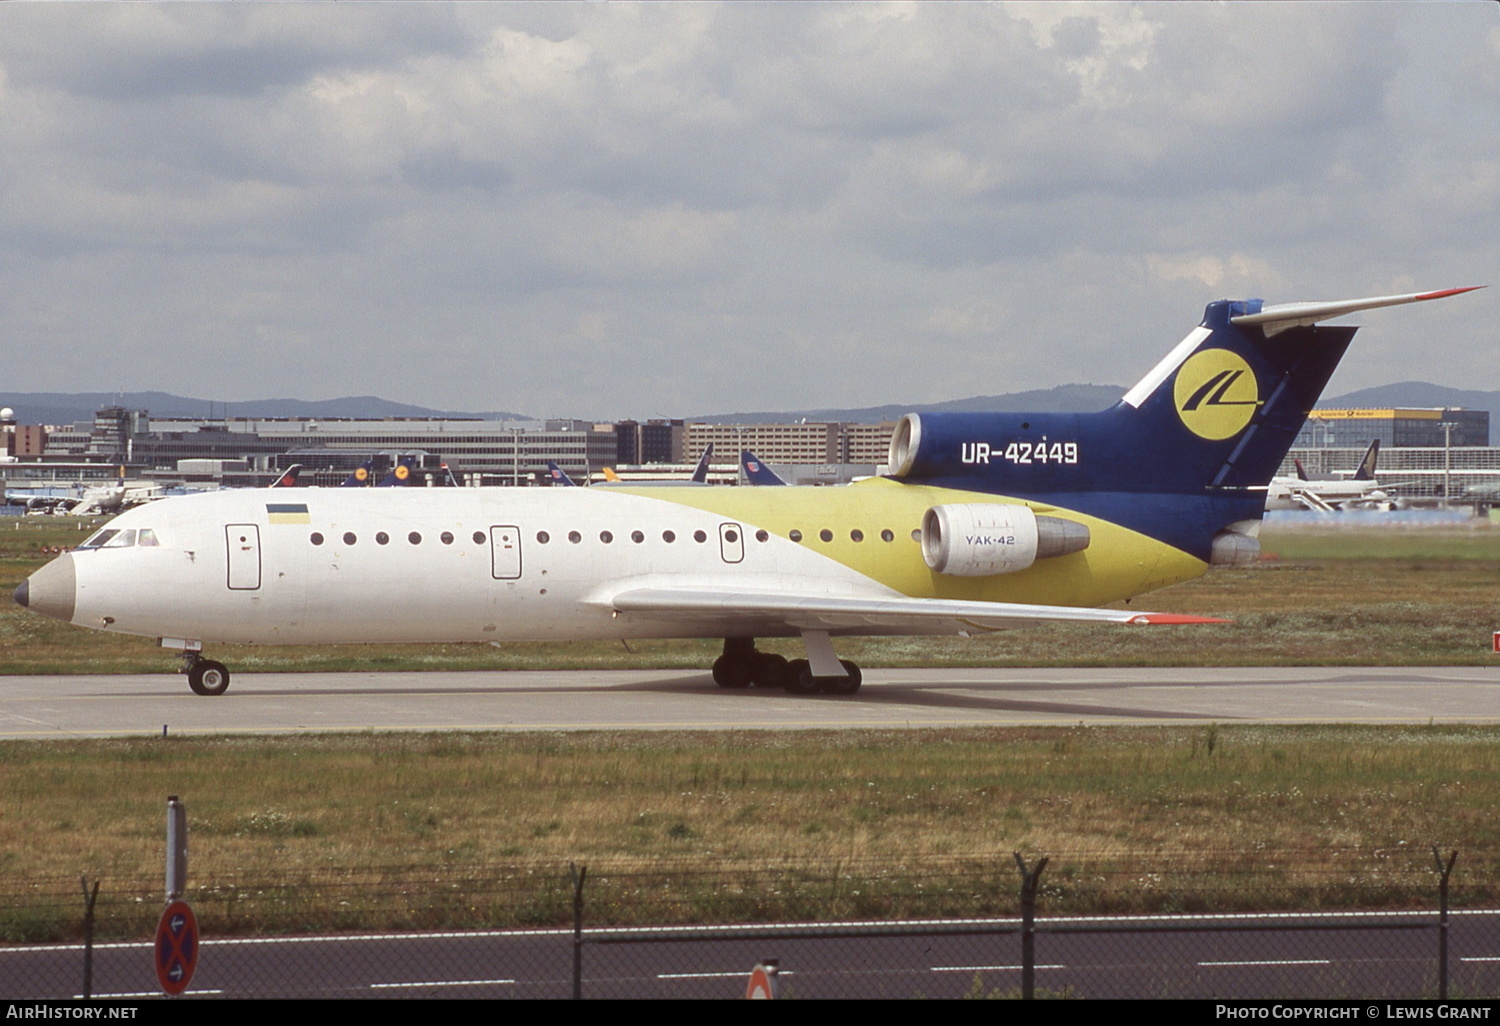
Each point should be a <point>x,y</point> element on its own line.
<point>1291,315</point>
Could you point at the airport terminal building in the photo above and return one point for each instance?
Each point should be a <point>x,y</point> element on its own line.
<point>1426,454</point>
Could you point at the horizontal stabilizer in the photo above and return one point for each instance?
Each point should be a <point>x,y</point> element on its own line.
<point>1291,315</point>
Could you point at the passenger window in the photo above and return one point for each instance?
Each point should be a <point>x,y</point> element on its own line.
<point>762,535</point>
<point>414,538</point>
<point>699,536</point>
<point>446,537</point>
<point>668,536</point>
<point>542,537</point>
<point>857,535</point>
<point>349,538</point>
<point>381,538</point>
<point>478,537</point>
<point>574,537</point>
<point>315,538</point>
<point>606,537</point>
<point>887,535</point>
<point>795,535</point>
<point>826,535</point>
<point>637,537</point>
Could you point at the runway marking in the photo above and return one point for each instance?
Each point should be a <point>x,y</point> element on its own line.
<point>141,994</point>
<point>739,974</point>
<point>1289,961</point>
<point>442,983</point>
<point>689,932</point>
<point>986,968</point>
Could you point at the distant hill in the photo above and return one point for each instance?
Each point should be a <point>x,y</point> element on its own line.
<point>1088,398</point>
<point>1062,399</point>
<point>1414,394</point>
<point>72,407</point>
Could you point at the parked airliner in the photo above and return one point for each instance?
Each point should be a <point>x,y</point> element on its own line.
<point>982,522</point>
<point>1327,495</point>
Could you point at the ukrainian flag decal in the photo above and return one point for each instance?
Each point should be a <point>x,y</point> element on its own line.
<point>287,513</point>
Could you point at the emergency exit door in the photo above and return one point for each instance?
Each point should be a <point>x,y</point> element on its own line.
<point>505,552</point>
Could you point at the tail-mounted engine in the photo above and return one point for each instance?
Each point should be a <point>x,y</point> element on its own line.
<point>984,539</point>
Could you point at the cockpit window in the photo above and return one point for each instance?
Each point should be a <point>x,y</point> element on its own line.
<point>121,540</point>
<point>99,538</point>
<point>147,538</point>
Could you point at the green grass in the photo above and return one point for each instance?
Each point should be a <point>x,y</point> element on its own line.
<point>467,830</point>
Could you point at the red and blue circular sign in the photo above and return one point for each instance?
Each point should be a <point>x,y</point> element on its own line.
<point>176,947</point>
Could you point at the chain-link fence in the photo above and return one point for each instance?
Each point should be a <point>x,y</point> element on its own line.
<point>1361,925</point>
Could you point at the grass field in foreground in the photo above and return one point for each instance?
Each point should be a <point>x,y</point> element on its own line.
<point>1320,597</point>
<point>1233,817</point>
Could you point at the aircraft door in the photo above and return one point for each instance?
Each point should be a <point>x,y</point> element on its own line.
<point>243,542</point>
<point>505,552</point>
<point>732,542</point>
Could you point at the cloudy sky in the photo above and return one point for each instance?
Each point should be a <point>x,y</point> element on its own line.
<point>632,210</point>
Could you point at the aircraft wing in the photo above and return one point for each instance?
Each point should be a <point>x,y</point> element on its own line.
<point>794,613</point>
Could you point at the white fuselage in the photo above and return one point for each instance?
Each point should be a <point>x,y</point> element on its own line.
<point>427,565</point>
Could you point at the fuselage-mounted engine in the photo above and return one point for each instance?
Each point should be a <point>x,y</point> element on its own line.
<point>985,539</point>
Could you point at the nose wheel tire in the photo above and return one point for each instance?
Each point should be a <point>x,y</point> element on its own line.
<point>207,677</point>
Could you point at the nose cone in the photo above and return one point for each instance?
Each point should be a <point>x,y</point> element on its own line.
<point>52,590</point>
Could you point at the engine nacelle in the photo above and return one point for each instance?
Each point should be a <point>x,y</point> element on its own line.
<point>985,539</point>
<point>1233,548</point>
<point>906,442</point>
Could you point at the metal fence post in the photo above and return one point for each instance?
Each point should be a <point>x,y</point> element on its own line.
<point>1029,879</point>
<point>88,935</point>
<point>577,876</point>
<point>1444,871</point>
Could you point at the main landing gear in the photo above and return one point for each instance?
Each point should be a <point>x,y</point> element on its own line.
<point>205,676</point>
<point>742,664</point>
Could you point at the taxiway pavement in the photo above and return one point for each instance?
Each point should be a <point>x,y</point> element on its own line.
<point>126,705</point>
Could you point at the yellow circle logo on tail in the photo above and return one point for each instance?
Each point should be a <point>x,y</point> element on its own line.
<point>1216,394</point>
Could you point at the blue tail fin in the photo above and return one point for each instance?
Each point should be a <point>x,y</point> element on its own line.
<point>1185,455</point>
<point>700,472</point>
<point>400,474</point>
<point>360,477</point>
<point>756,471</point>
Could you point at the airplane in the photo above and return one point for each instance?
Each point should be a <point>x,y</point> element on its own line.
<point>288,478</point>
<point>982,522</point>
<point>700,472</point>
<point>699,475</point>
<point>359,477</point>
<point>559,476</point>
<point>1361,491</point>
<point>756,471</point>
<point>399,475</point>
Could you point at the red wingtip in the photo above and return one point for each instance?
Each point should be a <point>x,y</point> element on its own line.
<point>1450,292</point>
<point>1158,618</point>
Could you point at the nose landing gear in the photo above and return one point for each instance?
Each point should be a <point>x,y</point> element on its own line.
<point>205,676</point>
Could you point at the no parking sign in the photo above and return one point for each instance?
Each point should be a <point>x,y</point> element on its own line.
<point>176,947</point>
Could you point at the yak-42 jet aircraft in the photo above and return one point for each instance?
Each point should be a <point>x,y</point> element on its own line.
<point>983,522</point>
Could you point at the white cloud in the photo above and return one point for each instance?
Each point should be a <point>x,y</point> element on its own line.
<point>623,209</point>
